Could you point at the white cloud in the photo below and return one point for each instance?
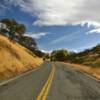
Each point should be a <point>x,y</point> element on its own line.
<point>95,30</point>
<point>60,12</point>
<point>45,51</point>
<point>37,35</point>
<point>95,27</point>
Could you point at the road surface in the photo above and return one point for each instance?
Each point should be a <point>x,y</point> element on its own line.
<point>51,81</point>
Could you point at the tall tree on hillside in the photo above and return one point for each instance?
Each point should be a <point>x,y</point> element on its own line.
<point>28,42</point>
<point>13,28</point>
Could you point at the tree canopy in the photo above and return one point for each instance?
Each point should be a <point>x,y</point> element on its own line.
<point>59,55</point>
<point>13,28</point>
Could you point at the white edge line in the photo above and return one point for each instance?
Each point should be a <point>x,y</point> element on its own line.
<point>88,75</point>
<point>91,76</point>
<point>16,77</point>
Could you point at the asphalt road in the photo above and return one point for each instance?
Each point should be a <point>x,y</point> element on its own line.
<point>70,84</point>
<point>26,87</point>
<point>52,81</point>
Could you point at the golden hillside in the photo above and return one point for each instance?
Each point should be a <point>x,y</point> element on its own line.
<point>15,59</point>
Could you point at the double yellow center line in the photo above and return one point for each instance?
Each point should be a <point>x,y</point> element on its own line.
<point>44,92</point>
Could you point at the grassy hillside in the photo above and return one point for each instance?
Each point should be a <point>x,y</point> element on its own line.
<point>15,59</point>
<point>90,57</point>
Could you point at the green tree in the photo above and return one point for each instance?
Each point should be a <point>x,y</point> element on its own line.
<point>39,53</point>
<point>13,28</point>
<point>59,55</point>
<point>28,42</point>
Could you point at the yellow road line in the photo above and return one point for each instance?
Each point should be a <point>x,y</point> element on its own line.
<point>44,92</point>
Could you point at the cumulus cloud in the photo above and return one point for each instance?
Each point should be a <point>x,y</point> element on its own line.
<point>37,35</point>
<point>95,27</point>
<point>60,12</point>
<point>97,30</point>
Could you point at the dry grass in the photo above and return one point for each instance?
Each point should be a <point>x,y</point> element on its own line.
<point>93,71</point>
<point>15,59</point>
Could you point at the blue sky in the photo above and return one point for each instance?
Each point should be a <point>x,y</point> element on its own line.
<point>72,25</point>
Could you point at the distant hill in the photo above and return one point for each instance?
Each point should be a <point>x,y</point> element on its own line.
<point>90,57</point>
<point>15,59</point>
